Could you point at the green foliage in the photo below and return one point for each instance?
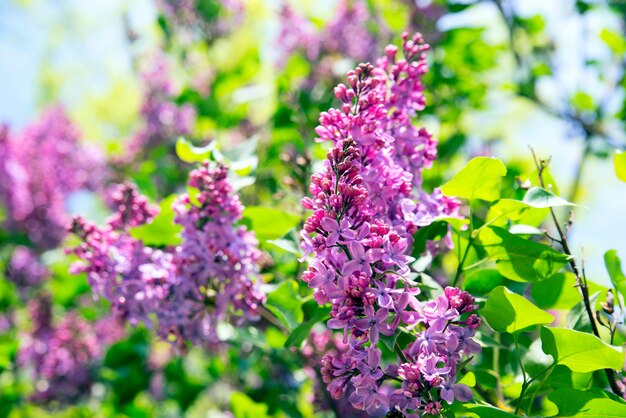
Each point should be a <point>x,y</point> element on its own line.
<point>518,258</point>
<point>162,231</point>
<point>479,179</point>
<point>539,198</point>
<point>506,311</point>
<point>578,403</point>
<point>619,162</point>
<point>614,267</point>
<point>192,154</point>
<point>285,303</point>
<point>579,351</point>
<point>269,223</point>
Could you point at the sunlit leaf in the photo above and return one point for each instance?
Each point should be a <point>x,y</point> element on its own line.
<point>192,154</point>
<point>614,267</point>
<point>162,230</point>
<point>479,179</point>
<point>506,311</point>
<point>579,351</point>
<point>520,259</point>
<point>619,162</point>
<point>538,197</point>
<point>578,403</point>
<point>285,303</point>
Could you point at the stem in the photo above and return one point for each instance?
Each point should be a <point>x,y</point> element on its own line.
<point>521,365</point>
<point>269,317</point>
<point>470,241</point>
<point>496,367</point>
<point>580,280</point>
<point>399,352</point>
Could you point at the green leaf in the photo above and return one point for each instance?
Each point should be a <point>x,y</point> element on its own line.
<point>479,179</point>
<point>506,311</point>
<point>614,268</point>
<point>473,410</point>
<point>579,351</point>
<point>469,379</point>
<point>577,317</point>
<point>619,162</point>
<point>578,403</point>
<point>560,291</point>
<point>481,282</point>
<point>434,231</point>
<point>614,40</point>
<point>192,154</point>
<point>285,303</point>
<point>390,340</point>
<point>289,242</point>
<point>302,331</point>
<point>244,407</point>
<point>162,230</point>
<point>269,223</point>
<point>538,197</point>
<point>582,101</point>
<point>515,211</point>
<point>520,259</point>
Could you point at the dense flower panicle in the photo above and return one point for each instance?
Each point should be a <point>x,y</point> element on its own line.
<point>217,262</point>
<point>163,119</point>
<point>183,292</point>
<point>61,357</point>
<point>24,268</point>
<point>346,35</point>
<point>110,252</point>
<point>40,168</point>
<point>367,203</point>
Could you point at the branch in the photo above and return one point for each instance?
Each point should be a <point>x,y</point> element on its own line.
<point>580,280</point>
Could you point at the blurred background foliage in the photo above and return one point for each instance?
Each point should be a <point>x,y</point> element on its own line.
<point>504,74</point>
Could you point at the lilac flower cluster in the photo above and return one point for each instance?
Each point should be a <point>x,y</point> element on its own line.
<point>186,17</point>
<point>345,35</point>
<point>61,357</point>
<point>367,203</point>
<point>24,268</point>
<point>186,291</point>
<point>163,119</point>
<point>40,168</point>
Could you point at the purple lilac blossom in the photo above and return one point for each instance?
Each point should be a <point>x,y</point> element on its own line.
<point>61,357</point>
<point>187,19</point>
<point>163,119</point>
<point>24,268</point>
<point>345,35</point>
<point>40,168</point>
<point>367,203</point>
<point>186,291</point>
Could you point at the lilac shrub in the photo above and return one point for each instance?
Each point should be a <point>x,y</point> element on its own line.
<point>40,168</point>
<point>186,291</point>
<point>367,203</point>
<point>24,268</point>
<point>163,119</point>
<point>60,357</point>
<point>345,35</point>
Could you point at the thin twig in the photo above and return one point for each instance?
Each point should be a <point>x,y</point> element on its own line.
<point>580,279</point>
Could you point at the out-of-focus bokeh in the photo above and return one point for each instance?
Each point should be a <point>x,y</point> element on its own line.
<point>97,92</point>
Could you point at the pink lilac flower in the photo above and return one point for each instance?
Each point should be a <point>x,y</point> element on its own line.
<point>345,35</point>
<point>367,202</point>
<point>40,168</point>
<point>61,357</point>
<point>24,268</point>
<point>186,291</point>
<point>164,120</point>
<point>186,17</point>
